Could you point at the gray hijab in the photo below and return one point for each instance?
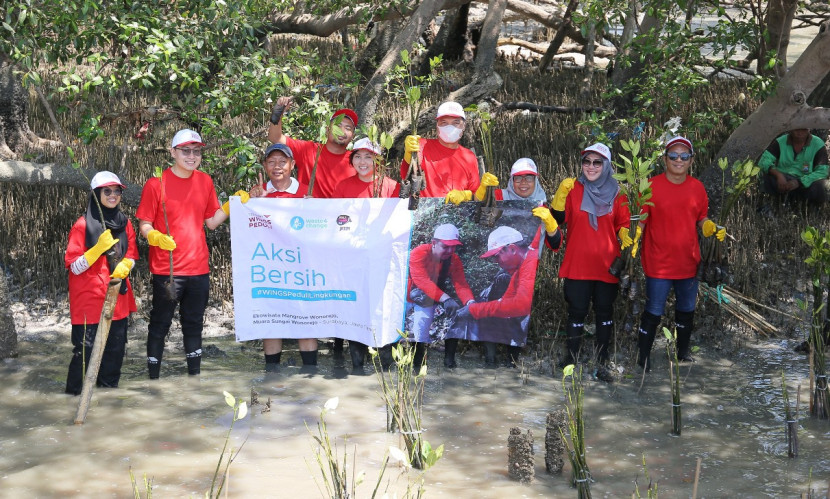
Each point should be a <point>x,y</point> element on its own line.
<point>599,196</point>
<point>538,193</point>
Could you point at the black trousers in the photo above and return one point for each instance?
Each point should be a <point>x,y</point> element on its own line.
<point>83,337</point>
<point>580,294</point>
<point>191,298</point>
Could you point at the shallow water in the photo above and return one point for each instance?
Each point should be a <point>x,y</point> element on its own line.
<point>173,429</point>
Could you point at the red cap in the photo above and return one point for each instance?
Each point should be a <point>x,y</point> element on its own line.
<point>348,113</point>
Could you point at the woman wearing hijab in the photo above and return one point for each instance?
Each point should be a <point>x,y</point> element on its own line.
<point>594,213</point>
<point>101,246</point>
<point>523,183</point>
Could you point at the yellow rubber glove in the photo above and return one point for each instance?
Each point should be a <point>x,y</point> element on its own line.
<point>456,197</point>
<point>122,270</point>
<point>710,228</point>
<point>243,196</point>
<point>544,214</point>
<point>410,145</point>
<point>487,180</point>
<point>558,203</point>
<point>105,242</point>
<point>163,241</point>
<point>626,241</point>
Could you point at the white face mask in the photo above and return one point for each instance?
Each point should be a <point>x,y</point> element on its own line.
<point>449,133</point>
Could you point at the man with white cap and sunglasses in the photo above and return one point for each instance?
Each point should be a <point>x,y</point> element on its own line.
<point>447,165</point>
<point>172,214</point>
<point>431,266</point>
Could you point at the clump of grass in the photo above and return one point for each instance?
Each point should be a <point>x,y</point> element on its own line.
<point>674,380</point>
<point>575,441</point>
<point>402,390</point>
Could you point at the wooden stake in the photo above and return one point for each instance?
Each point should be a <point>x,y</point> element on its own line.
<point>98,349</point>
<point>697,478</point>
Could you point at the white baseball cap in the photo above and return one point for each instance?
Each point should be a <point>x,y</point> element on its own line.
<point>598,148</point>
<point>680,140</point>
<point>524,166</point>
<point>185,137</point>
<point>105,178</point>
<point>450,108</point>
<point>501,237</point>
<point>367,144</point>
<point>447,234</point>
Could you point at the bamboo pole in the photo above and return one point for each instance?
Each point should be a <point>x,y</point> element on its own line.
<point>98,349</point>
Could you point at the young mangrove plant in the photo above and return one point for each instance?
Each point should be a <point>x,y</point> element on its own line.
<point>402,83</point>
<point>240,410</point>
<point>575,441</point>
<point>651,489</point>
<point>385,141</point>
<point>674,379</point>
<point>402,390</point>
<point>819,261</point>
<point>487,212</point>
<point>791,417</point>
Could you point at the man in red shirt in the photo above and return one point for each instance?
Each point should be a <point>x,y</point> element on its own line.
<point>333,163</point>
<point>447,165</point>
<point>181,202</point>
<point>431,265</point>
<point>670,250</point>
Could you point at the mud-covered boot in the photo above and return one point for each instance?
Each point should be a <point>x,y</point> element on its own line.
<point>358,353</point>
<point>574,343</point>
<point>605,329</point>
<point>272,362</point>
<point>450,346</point>
<point>645,339</point>
<point>684,322</point>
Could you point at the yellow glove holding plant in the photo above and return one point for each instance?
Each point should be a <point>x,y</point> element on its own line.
<point>411,144</point>
<point>105,242</point>
<point>122,270</point>
<point>626,240</point>
<point>487,180</point>
<point>544,214</point>
<point>558,203</point>
<point>163,241</point>
<point>710,228</point>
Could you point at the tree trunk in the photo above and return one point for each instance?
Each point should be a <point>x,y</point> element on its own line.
<point>625,75</point>
<point>452,36</point>
<point>8,334</point>
<point>378,46</point>
<point>369,97</point>
<point>778,22</point>
<point>553,48</point>
<point>785,110</point>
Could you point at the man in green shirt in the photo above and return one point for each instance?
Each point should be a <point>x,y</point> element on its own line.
<point>796,164</point>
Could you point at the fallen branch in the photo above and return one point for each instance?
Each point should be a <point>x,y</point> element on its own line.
<point>520,105</point>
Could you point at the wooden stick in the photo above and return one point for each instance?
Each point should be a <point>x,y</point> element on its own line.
<point>750,300</point>
<point>697,478</point>
<point>98,349</point>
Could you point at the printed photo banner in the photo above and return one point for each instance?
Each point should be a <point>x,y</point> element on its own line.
<point>311,268</point>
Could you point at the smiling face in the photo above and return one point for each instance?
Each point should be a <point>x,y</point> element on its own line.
<point>278,166</point>
<point>363,162</point>
<point>592,166</point>
<point>677,169</point>
<point>524,185</point>
<point>341,134</point>
<point>187,158</point>
<point>111,196</point>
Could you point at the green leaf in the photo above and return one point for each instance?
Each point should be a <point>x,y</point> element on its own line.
<point>229,399</point>
<point>568,371</point>
<point>667,333</point>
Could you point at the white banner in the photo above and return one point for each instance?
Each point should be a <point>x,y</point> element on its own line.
<point>310,268</point>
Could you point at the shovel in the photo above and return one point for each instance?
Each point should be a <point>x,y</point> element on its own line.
<point>98,349</point>
<point>487,213</point>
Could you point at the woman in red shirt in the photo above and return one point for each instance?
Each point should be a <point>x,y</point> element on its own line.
<point>369,181</point>
<point>98,249</point>
<point>594,212</point>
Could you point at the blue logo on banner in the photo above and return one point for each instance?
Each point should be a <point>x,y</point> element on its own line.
<point>297,223</point>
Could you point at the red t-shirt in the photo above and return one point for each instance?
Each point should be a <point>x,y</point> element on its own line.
<point>446,169</point>
<point>588,252</point>
<point>517,299</point>
<point>189,202</point>
<point>424,271</point>
<point>353,187</point>
<point>88,289</point>
<point>331,168</point>
<point>670,248</point>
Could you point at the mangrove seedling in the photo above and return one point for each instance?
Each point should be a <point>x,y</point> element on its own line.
<point>674,379</point>
<point>791,417</point>
<point>575,441</point>
<point>487,212</point>
<point>240,410</point>
<point>819,261</point>
<point>385,141</point>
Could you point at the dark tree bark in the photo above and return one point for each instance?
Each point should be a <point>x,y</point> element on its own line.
<point>8,333</point>
<point>778,22</point>
<point>553,48</point>
<point>452,36</point>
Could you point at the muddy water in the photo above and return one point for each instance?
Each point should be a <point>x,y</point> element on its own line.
<point>173,429</point>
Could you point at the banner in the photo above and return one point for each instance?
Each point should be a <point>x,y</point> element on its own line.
<point>362,269</point>
<point>311,268</point>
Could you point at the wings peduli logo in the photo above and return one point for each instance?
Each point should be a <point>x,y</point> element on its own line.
<point>259,221</point>
<point>300,223</point>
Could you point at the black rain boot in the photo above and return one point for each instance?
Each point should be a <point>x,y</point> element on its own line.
<point>648,331</point>
<point>272,362</point>
<point>574,343</point>
<point>194,362</point>
<point>155,350</point>
<point>420,356</point>
<point>489,354</point>
<point>337,347</point>
<point>513,356</point>
<point>358,353</point>
<point>605,329</point>
<point>450,346</point>
<point>309,358</point>
<point>684,322</point>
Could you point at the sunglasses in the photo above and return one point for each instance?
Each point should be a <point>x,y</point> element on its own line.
<point>109,192</point>
<point>597,163</point>
<point>523,179</point>
<point>683,156</point>
<point>190,152</point>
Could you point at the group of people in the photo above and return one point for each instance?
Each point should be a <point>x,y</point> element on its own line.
<point>590,210</point>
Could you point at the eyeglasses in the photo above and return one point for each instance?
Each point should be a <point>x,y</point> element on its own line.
<point>190,152</point>
<point>109,192</point>
<point>683,156</point>
<point>527,179</point>
<point>597,163</point>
